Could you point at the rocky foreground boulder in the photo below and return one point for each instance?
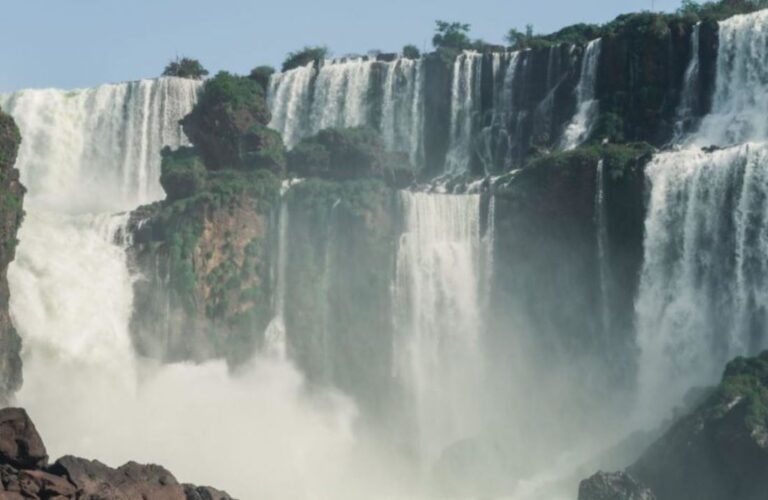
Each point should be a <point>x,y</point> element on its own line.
<point>25,473</point>
<point>719,451</point>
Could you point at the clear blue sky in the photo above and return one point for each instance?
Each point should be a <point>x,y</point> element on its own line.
<point>77,43</point>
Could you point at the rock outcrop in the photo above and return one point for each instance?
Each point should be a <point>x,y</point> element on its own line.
<point>25,474</point>
<point>717,451</point>
<point>613,486</point>
<point>11,215</point>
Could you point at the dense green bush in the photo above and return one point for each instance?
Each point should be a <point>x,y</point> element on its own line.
<point>261,75</point>
<point>263,148</point>
<point>304,56</point>
<point>182,173</point>
<point>228,107</point>
<point>348,154</point>
<point>186,68</point>
<point>451,35</point>
<point>411,52</point>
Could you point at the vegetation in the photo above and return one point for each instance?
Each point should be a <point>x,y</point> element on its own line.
<point>186,68</point>
<point>746,379</point>
<point>261,75</point>
<point>304,56</point>
<point>351,153</point>
<point>182,173</point>
<point>452,36</point>
<point>228,109</point>
<point>411,52</point>
<point>715,11</point>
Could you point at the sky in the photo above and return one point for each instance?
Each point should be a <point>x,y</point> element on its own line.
<point>82,43</point>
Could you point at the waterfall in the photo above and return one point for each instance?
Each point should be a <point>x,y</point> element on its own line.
<point>703,296</point>
<point>690,94</point>
<point>104,141</point>
<point>464,108</point>
<point>275,343</point>
<point>438,317</point>
<point>602,247</point>
<point>740,101</point>
<point>340,94</point>
<point>289,99</point>
<point>402,117</point>
<point>86,154</point>
<point>587,106</point>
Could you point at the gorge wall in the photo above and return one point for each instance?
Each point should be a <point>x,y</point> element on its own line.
<point>11,197</point>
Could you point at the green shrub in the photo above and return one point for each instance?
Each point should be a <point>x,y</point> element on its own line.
<point>228,107</point>
<point>304,56</point>
<point>261,75</point>
<point>186,68</point>
<point>411,52</point>
<point>182,173</point>
<point>451,35</point>
<point>347,154</point>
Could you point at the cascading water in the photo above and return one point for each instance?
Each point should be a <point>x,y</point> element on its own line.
<point>587,106</point>
<point>740,101</point>
<point>402,117</point>
<point>602,247</point>
<point>689,95</point>
<point>464,109</point>
<point>306,100</point>
<point>702,297</point>
<point>438,316</point>
<point>86,155</point>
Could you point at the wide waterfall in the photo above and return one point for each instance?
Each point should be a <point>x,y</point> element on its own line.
<point>702,296</point>
<point>586,110</point>
<point>306,100</point>
<point>438,315</point>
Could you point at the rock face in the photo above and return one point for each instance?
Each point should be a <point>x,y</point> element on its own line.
<point>613,486</point>
<point>717,451</point>
<point>204,260</point>
<point>720,450</point>
<point>24,473</point>
<point>11,214</point>
<point>20,444</point>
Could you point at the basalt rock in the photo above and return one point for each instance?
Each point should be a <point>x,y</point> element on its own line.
<point>24,474</point>
<point>20,444</point>
<point>11,215</point>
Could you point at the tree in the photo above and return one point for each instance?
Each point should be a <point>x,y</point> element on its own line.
<point>518,39</point>
<point>451,35</point>
<point>304,56</point>
<point>261,75</point>
<point>411,52</point>
<point>186,68</point>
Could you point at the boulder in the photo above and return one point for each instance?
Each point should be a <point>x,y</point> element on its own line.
<point>20,444</point>
<point>131,481</point>
<point>204,493</point>
<point>613,486</point>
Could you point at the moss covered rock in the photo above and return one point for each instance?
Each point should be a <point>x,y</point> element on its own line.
<point>228,108</point>
<point>11,215</point>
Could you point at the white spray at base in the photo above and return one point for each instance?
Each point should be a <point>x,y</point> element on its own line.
<point>258,432</point>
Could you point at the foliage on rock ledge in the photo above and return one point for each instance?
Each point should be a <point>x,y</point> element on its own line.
<point>229,121</point>
<point>304,56</point>
<point>353,153</point>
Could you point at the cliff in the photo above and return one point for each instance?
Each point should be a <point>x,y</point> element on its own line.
<point>11,215</point>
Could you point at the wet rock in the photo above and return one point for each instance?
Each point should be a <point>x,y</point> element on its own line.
<point>613,486</point>
<point>20,444</point>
